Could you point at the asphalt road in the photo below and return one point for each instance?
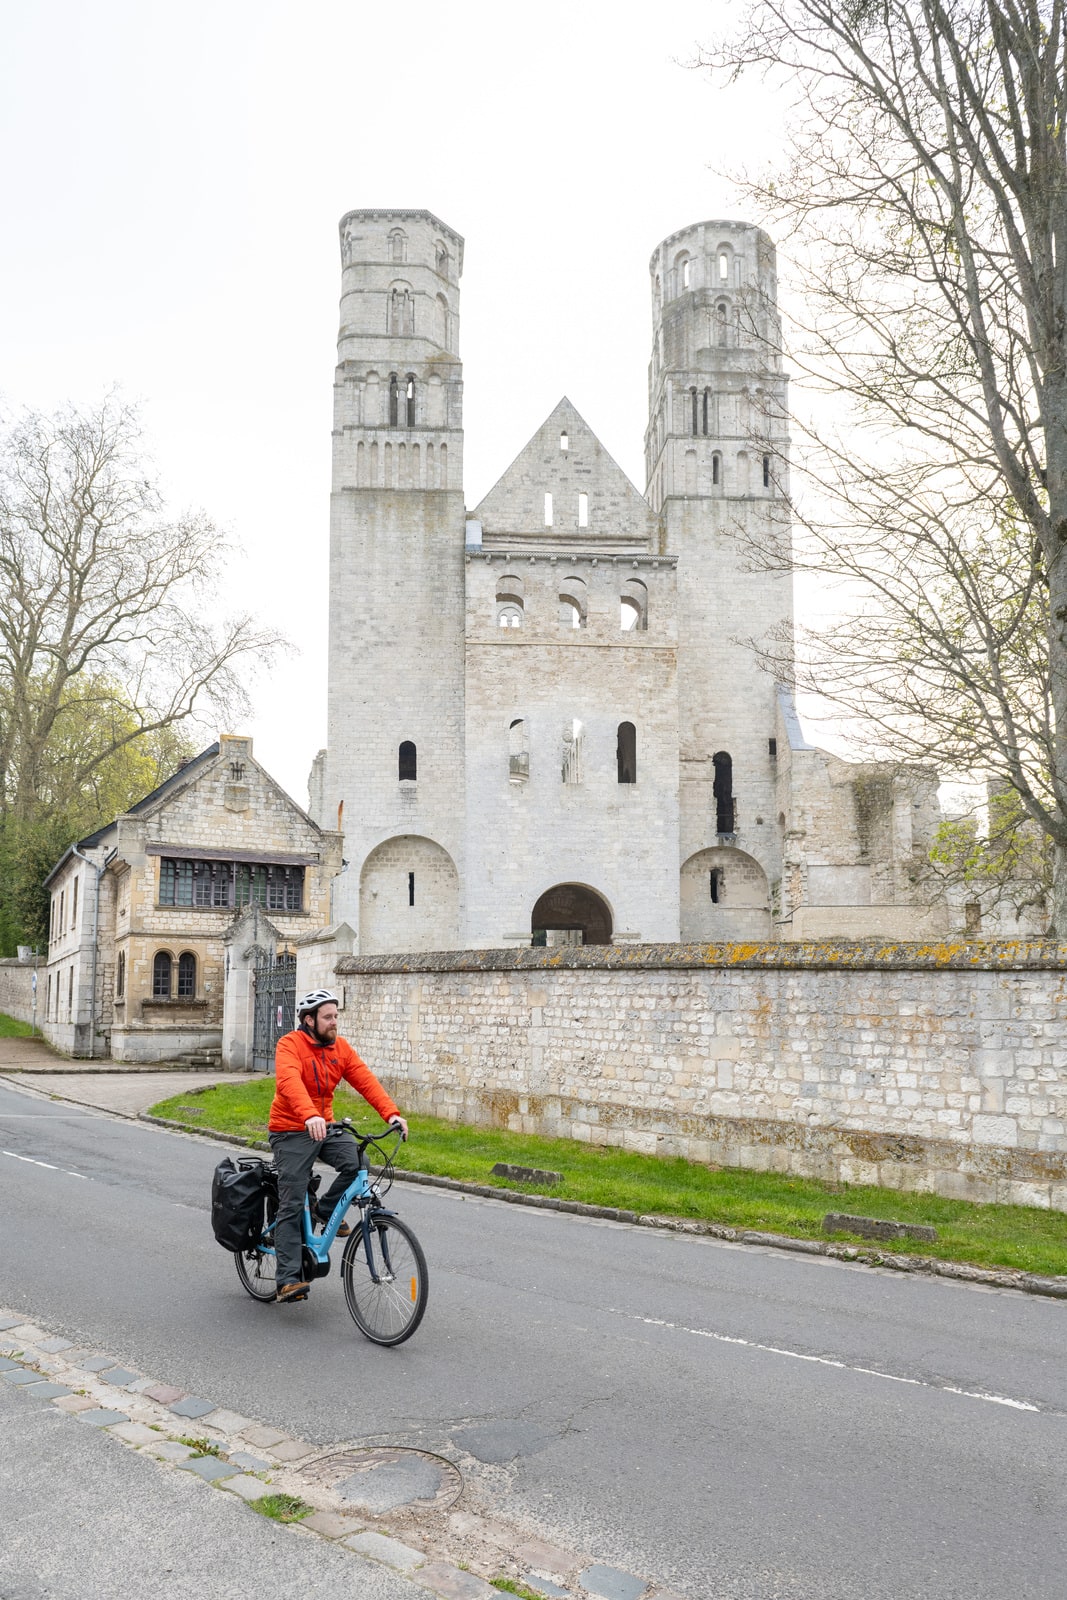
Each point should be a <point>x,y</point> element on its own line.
<point>732,1422</point>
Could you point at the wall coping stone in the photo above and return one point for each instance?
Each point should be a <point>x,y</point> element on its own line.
<point>857,955</point>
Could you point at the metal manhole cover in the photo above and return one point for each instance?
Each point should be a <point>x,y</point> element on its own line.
<point>387,1478</point>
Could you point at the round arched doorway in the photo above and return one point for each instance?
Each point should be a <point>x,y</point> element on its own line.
<point>571,913</point>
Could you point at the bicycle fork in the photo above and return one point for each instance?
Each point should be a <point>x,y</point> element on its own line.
<point>387,1275</point>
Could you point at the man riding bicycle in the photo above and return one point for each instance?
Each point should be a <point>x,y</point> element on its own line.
<point>308,1065</point>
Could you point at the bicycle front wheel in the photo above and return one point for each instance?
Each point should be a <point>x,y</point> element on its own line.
<point>389,1311</point>
<point>258,1271</point>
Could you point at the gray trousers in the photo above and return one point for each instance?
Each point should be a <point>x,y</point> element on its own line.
<point>294,1156</point>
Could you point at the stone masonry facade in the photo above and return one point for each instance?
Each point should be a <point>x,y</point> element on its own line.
<point>546,721</point>
<point>16,989</point>
<point>935,1068</point>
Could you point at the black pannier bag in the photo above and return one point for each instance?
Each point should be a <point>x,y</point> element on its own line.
<point>239,1195</point>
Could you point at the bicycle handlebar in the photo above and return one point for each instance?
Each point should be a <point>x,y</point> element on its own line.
<point>364,1139</point>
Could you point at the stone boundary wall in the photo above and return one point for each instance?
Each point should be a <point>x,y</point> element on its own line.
<point>16,989</point>
<point>936,1067</point>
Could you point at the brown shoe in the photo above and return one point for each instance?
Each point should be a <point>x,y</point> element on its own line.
<point>288,1292</point>
<point>323,1221</point>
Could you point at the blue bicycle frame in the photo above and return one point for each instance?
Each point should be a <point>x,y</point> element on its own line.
<point>318,1245</point>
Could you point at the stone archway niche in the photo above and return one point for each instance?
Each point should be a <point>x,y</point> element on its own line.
<point>571,913</point>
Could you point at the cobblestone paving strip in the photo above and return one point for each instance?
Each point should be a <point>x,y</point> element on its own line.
<point>153,1415</point>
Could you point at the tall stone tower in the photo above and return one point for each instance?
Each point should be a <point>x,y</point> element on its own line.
<point>393,777</point>
<point>716,459</point>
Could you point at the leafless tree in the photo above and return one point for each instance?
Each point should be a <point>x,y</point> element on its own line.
<point>106,606</point>
<point>924,204</point>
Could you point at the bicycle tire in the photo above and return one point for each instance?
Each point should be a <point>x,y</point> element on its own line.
<point>386,1313</point>
<point>258,1272</point>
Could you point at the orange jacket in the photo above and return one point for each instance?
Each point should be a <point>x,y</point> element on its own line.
<point>306,1074</point>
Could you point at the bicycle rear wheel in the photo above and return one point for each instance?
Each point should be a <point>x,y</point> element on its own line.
<point>258,1272</point>
<point>389,1311</point>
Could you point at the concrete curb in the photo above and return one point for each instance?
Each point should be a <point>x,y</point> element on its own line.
<point>76,1070</point>
<point>1002,1278</point>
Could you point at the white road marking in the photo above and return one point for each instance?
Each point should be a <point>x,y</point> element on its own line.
<point>66,1172</point>
<point>828,1361</point>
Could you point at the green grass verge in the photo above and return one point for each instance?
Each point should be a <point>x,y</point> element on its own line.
<point>10,1029</point>
<point>509,1586</point>
<point>1022,1237</point>
<point>282,1507</point>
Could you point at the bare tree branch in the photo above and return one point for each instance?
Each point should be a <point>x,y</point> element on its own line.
<point>924,197</point>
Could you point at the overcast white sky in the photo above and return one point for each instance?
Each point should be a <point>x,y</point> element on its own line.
<point>172,182</point>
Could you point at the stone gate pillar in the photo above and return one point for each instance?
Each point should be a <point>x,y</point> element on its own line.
<point>249,935</point>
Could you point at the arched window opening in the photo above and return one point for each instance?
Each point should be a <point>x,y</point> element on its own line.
<point>161,975</point>
<point>716,469</point>
<point>633,607</point>
<point>186,975</point>
<point>583,510</point>
<point>408,762</point>
<point>572,751</point>
<point>442,261</point>
<point>548,510</point>
<point>394,400</point>
<point>518,751</point>
<point>721,326</point>
<point>398,245</point>
<point>693,405</point>
<point>724,267</point>
<point>564,441</point>
<point>707,412</point>
<point>686,273</point>
<point>120,976</point>
<point>723,792</point>
<point>409,395</point>
<point>681,273</point>
<point>717,884</point>
<point>766,472</point>
<point>572,602</point>
<point>509,601</point>
<point>626,752</point>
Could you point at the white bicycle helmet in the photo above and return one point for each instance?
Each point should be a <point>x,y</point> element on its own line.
<point>312,1002</point>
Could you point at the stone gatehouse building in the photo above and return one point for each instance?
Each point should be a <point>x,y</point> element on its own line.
<point>545,719</point>
<point>142,910</point>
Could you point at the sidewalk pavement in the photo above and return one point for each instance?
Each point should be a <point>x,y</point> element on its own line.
<point>83,1517</point>
<point>108,1086</point>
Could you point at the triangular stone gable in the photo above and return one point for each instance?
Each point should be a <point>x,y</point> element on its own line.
<point>247,808</point>
<point>513,512</point>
